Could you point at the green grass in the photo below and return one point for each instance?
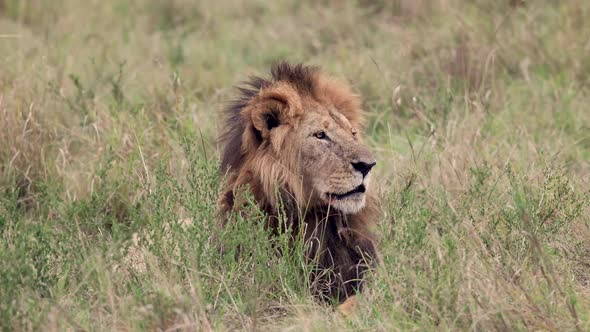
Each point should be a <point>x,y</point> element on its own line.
<point>109,111</point>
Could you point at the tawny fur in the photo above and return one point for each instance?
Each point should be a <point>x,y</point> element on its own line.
<point>273,145</point>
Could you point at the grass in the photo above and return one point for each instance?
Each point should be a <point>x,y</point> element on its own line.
<point>109,164</point>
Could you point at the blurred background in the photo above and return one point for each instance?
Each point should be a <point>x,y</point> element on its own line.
<point>478,114</point>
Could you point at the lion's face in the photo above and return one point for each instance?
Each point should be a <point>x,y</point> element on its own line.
<point>335,165</point>
<point>298,135</point>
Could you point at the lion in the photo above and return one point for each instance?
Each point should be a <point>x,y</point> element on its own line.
<point>295,141</point>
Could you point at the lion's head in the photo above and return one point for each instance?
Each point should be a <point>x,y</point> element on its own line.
<point>297,136</point>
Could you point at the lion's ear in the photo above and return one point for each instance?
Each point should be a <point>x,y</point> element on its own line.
<point>270,109</point>
<point>268,114</point>
<point>271,119</point>
<point>265,118</point>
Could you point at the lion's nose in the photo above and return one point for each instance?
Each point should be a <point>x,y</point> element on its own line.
<point>363,167</point>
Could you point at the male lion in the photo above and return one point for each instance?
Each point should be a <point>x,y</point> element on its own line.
<point>294,141</point>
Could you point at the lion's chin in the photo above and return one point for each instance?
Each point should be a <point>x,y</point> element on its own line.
<point>349,205</point>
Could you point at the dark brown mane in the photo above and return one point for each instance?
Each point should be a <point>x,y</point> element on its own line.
<point>300,76</point>
<point>231,138</point>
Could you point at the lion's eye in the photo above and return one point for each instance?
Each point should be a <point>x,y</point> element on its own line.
<point>320,135</point>
<point>354,132</point>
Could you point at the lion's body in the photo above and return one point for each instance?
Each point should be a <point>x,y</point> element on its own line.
<point>269,148</point>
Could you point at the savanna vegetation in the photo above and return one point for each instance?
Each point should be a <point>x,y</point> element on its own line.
<point>109,166</point>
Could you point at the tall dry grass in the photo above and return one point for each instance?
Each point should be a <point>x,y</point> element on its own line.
<point>108,163</point>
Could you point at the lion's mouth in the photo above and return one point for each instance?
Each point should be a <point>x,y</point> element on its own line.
<point>358,190</point>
